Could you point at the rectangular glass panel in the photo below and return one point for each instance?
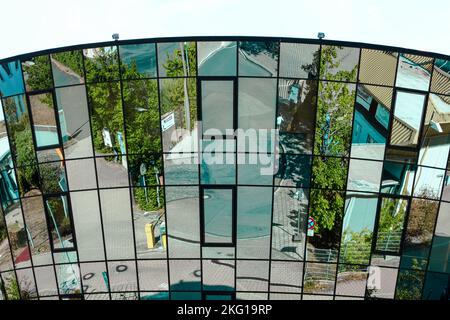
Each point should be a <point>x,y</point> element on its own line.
<point>390,224</point>
<point>67,68</point>
<point>138,60</point>
<point>364,175</point>
<point>122,276</point>
<point>440,251</point>
<point>218,275</point>
<point>216,58</point>
<point>73,116</point>
<point>441,76</point>
<point>185,275</point>
<point>407,120</point>
<point>45,281</point>
<point>414,72</point>
<point>286,276</point>
<point>339,63</point>
<point>252,275</point>
<point>88,228</point>
<point>428,183</point>
<point>218,216</point>
<point>299,60</point>
<point>102,64</point>
<point>12,81</point>
<point>217,107</point>
<point>68,276</point>
<point>351,281</point>
<point>59,221</point>
<point>319,278</point>
<point>177,59</point>
<point>94,277</point>
<point>258,58</point>
<point>153,275</point>
<point>27,286</point>
<point>37,73</point>
<point>377,67</point>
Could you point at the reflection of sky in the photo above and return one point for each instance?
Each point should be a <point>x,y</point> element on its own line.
<point>412,77</point>
<point>409,108</point>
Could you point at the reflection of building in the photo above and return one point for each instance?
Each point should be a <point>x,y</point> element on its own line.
<point>8,183</point>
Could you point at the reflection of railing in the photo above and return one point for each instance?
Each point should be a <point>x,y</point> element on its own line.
<point>322,255</point>
<point>389,241</point>
<point>322,272</point>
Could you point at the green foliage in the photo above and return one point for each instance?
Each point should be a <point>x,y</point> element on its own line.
<point>333,135</point>
<point>356,247</point>
<point>39,74</point>
<point>12,289</point>
<point>104,66</point>
<point>257,47</point>
<point>174,62</point>
<point>72,60</point>
<point>3,231</point>
<point>150,203</point>
<point>50,174</point>
<point>390,219</point>
<point>63,222</point>
<point>409,284</point>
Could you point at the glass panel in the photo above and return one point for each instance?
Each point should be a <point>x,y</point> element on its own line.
<point>428,183</point>
<point>181,168</point>
<point>185,275</point>
<point>397,178</point>
<point>364,175</point>
<point>17,233</point>
<point>329,173</point>
<point>327,210</point>
<point>102,64</point>
<point>178,114</point>
<point>293,171</point>
<point>183,224</point>
<point>409,285</point>
<point>122,276</point>
<point>19,128</point>
<point>390,224</point>
<point>252,275</point>
<point>68,276</point>
<point>88,228</point>
<point>225,253</point>
<point>217,107</point>
<point>81,174</point>
<point>73,116</point>
<point>371,122</point>
<point>216,58</point>
<point>258,169</point>
<point>419,234</point>
<point>334,118</point>
<point>218,215</point>
<point>436,286</point>
<point>138,60</point>
<point>383,260</point>
<point>154,295</point>
<point>381,282</point>
<point>446,189</point>
<point>290,215</point>
<point>37,73</point>
<point>299,60</point>
<point>285,296</point>
<point>254,211</point>
<point>218,161</point>
<point>53,175</point>
<point>177,59</point>
<point>351,280</point>
<point>218,275</point>
<point>286,276</point>
<point>11,286</point>
<point>141,112</point>
<point>414,72</point>
<point>258,58</point>
<point>440,251</point>
<point>319,278</point>
<point>115,208</point>
<point>407,119</point>
<point>296,115</point>
<point>67,68</point>
<point>252,296</point>
<point>441,76</point>
<point>36,223</point>
<point>111,173</point>
<point>377,67</point>
<point>153,275</point>
<point>11,81</point>
<point>45,281</point>
<point>435,137</point>
<point>357,229</point>
<point>339,63</point>
<point>106,118</point>
<point>60,224</point>
<point>94,277</point>
<point>149,223</point>
<point>27,286</point>
<point>5,253</point>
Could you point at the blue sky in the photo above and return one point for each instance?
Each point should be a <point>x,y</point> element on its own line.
<point>29,25</point>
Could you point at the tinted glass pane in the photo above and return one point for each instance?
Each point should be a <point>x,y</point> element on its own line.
<point>364,175</point>
<point>11,81</point>
<point>138,60</point>
<point>299,60</point>
<point>185,275</point>
<point>67,68</point>
<point>439,256</point>
<point>319,278</point>
<point>428,183</point>
<point>339,63</point>
<point>102,64</point>
<point>252,275</point>
<point>390,224</point>
<point>37,73</point>
<point>218,215</point>
<point>258,58</point>
<point>218,275</point>
<point>407,118</point>
<point>60,224</point>
<point>441,76</point>
<point>414,72</point>
<point>216,58</point>
<point>377,67</point>
<point>217,106</point>
<point>409,285</point>
<point>397,178</point>
<point>177,59</point>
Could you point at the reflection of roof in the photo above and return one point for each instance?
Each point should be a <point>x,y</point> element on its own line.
<point>381,94</point>
<point>377,67</point>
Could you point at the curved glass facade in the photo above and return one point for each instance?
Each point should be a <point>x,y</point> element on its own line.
<point>225,168</point>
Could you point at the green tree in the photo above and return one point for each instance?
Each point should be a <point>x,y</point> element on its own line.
<point>38,73</point>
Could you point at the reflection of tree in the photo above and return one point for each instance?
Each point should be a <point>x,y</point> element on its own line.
<point>421,220</point>
<point>39,73</point>
<point>71,59</point>
<point>356,247</point>
<point>410,283</point>
<point>333,134</point>
<point>257,47</point>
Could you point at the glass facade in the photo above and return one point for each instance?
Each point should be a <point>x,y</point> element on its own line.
<point>225,168</point>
